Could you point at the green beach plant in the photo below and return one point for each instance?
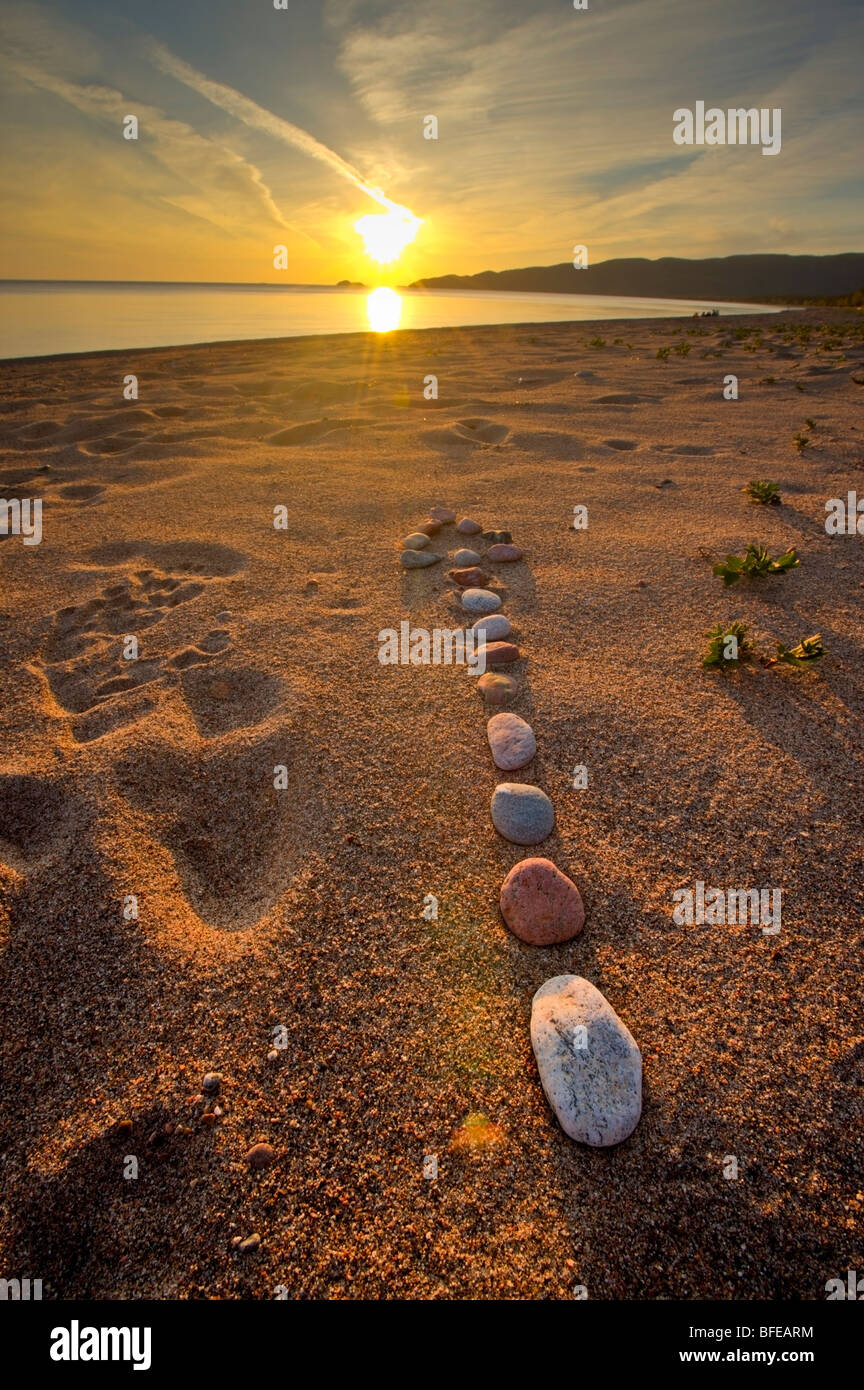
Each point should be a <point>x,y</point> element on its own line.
<point>728,646</point>
<point>756,563</point>
<point>761,491</point>
<point>808,650</point>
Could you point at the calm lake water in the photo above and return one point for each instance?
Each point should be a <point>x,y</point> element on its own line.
<point>38,319</point>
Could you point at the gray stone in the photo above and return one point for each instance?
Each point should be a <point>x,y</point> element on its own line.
<point>589,1064</point>
<point>479,600</point>
<point>463,558</point>
<point>418,559</point>
<point>416,541</point>
<point>467,527</point>
<point>512,741</point>
<point>523,814</point>
<point>212,1083</point>
<point>492,628</point>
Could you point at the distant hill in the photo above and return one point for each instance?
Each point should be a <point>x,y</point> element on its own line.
<point>722,278</point>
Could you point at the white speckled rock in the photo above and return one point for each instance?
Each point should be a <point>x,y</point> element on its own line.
<point>463,558</point>
<point>511,740</point>
<point>523,814</point>
<point>589,1064</point>
<point>418,559</point>
<point>492,628</point>
<point>416,541</point>
<point>480,601</point>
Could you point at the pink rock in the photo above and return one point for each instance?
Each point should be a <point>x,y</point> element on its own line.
<point>429,528</point>
<point>511,740</point>
<point>502,553</point>
<point>497,690</point>
<point>467,527</point>
<point>499,653</point>
<point>473,578</point>
<point>540,904</point>
<point>442,514</point>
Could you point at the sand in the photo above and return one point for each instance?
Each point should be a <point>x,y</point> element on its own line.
<point>301,909</point>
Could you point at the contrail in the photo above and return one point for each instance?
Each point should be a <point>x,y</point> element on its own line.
<point>258,117</point>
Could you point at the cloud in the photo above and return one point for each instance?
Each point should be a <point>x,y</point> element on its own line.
<point>258,118</point>
<point>230,190</point>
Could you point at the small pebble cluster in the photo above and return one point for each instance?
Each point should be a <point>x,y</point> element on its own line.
<point>590,1066</point>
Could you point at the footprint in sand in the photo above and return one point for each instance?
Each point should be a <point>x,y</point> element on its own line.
<point>82,492</point>
<point>478,430</point>
<point>112,444</point>
<point>233,837</point>
<point>624,398</point>
<point>310,433</point>
<point>31,816</point>
<point>337,602</point>
<point>622,445</point>
<point>83,659</point>
<point>215,642</point>
<point>236,698</point>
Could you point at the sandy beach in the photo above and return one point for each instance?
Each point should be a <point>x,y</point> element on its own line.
<point>292,919</point>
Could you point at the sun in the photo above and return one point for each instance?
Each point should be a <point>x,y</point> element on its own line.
<point>386,234</point>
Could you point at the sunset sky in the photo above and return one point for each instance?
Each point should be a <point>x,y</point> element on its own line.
<point>555,128</point>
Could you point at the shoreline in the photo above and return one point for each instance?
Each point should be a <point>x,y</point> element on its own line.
<point>403,333</point>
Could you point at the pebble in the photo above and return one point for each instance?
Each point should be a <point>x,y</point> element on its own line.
<point>589,1064</point>
<point>480,601</point>
<point>273,1055</point>
<point>418,559</point>
<point>418,540</point>
<point>429,528</point>
<point>467,527</point>
<point>523,814</point>
<point>502,554</point>
<point>492,627</point>
<point>212,1083</point>
<point>251,1242</point>
<point>499,653</point>
<point>462,558</point>
<point>473,578</point>
<point>442,514</point>
<point>540,904</point>
<point>512,741</point>
<point>498,537</point>
<point>498,690</point>
<point>260,1156</point>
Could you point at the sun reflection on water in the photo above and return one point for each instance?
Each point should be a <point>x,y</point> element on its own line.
<point>384,309</point>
